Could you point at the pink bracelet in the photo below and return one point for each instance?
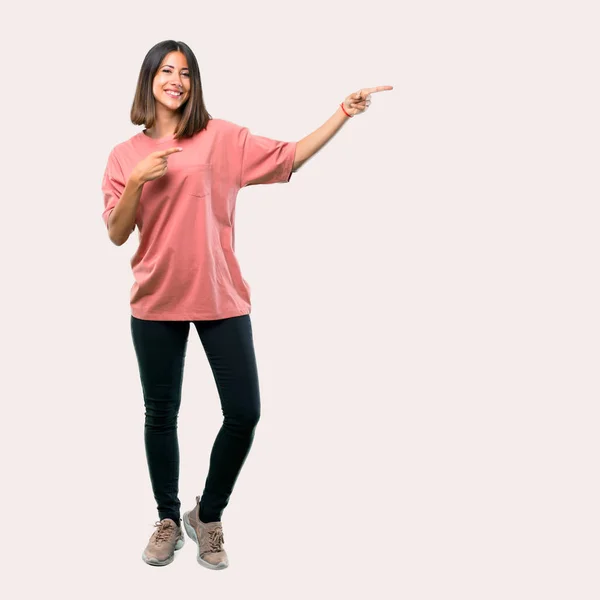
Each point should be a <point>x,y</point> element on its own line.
<point>342,105</point>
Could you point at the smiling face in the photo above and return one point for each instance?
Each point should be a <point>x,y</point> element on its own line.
<point>171,84</point>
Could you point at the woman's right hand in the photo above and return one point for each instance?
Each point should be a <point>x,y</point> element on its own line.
<point>154,165</point>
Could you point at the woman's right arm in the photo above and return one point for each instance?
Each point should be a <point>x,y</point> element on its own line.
<point>121,222</point>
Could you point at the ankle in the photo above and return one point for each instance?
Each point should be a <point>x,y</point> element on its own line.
<point>208,518</point>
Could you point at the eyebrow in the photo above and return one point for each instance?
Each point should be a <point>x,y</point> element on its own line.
<point>172,67</point>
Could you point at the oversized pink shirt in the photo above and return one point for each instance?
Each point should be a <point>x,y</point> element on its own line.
<point>185,266</point>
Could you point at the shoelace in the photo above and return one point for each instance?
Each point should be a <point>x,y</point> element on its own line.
<point>164,530</point>
<point>216,539</point>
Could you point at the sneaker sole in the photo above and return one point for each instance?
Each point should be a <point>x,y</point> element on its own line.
<point>192,534</point>
<point>157,563</point>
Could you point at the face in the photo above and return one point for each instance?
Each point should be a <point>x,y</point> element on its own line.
<point>171,85</point>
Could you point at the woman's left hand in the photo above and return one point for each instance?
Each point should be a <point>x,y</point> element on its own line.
<point>359,101</point>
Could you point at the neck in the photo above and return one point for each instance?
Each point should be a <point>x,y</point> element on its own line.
<point>164,125</point>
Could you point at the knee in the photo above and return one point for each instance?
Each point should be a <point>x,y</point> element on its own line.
<point>252,418</point>
<point>161,413</point>
<point>244,421</point>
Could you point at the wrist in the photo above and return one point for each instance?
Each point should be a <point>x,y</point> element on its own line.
<point>136,179</point>
<point>344,110</point>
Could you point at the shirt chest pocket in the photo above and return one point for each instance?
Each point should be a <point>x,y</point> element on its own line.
<point>197,180</point>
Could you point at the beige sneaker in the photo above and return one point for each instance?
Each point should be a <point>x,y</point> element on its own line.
<point>208,536</point>
<point>164,541</point>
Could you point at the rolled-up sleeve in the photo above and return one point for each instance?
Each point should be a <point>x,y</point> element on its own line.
<point>113,184</point>
<point>264,160</point>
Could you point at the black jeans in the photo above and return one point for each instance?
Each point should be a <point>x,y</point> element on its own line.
<point>160,347</point>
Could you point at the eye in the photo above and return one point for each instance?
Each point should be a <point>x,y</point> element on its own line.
<point>169,71</point>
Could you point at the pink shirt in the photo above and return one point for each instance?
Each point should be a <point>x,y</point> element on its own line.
<point>185,267</point>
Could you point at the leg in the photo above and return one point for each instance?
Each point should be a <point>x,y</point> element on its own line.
<point>229,347</point>
<point>160,348</point>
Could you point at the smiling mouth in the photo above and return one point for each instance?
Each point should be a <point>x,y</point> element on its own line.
<point>174,94</point>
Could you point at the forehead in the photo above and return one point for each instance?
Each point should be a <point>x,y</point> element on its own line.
<point>177,59</point>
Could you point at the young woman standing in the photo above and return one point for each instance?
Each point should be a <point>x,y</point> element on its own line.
<point>177,180</point>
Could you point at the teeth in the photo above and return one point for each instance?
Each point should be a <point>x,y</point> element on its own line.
<point>171,93</point>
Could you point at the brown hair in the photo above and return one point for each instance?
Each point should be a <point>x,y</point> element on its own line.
<point>194,116</point>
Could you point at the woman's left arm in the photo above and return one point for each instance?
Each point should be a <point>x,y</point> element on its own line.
<point>354,104</point>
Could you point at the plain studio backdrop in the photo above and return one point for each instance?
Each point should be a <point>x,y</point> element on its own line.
<point>424,304</point>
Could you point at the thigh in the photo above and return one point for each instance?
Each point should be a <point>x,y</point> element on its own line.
<point>160,347</point>
<point>229,347</point>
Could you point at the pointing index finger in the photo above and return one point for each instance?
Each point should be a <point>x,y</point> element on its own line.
<point>379,88</point>
<point>170,151</point>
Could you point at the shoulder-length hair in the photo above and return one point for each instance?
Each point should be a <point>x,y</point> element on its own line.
<point>194,116</point>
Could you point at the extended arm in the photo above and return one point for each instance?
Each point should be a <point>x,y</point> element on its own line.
<point>312,143</point>
<point>354,104</point>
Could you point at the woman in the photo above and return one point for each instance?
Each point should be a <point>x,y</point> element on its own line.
<point>177,180</point>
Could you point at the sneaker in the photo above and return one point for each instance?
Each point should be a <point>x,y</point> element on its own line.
<point>167,538</point>
<point>208,536</point>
